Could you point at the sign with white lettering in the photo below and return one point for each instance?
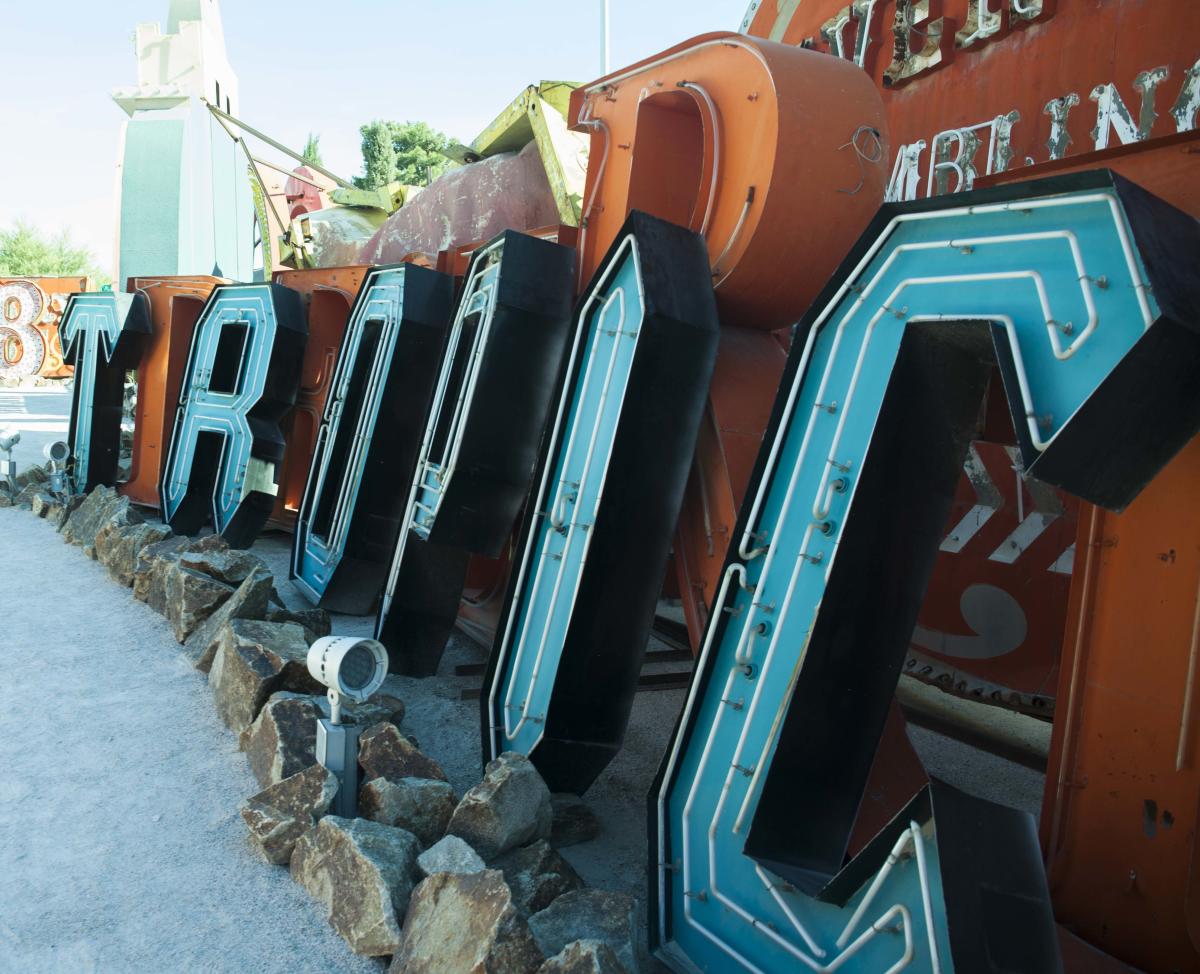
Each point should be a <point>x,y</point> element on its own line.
<point>978,87</point>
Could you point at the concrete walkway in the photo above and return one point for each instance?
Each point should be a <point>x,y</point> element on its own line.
<point>121,848</point>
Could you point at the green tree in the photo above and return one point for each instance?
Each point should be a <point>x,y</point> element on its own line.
<point>406,152</point>
<point>312,150</point>
<point>27,252</point>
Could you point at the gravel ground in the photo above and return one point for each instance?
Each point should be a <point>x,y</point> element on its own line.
<point>123,850</point>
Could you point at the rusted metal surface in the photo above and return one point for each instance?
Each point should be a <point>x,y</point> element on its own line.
<point>1122,878</point>
<point>328,295</point>
<point>1123,787</point>
<point>1057,77</point>
<point>306,194</point>
<point>175,305</point>
<point>711,134</point>
<point>1169,168</point>
<point>476,202</point>
<point>992,621</point>
<point>30,310</point>
<point>749,366</point>
<point>723,134</point>
<point>980,92</point>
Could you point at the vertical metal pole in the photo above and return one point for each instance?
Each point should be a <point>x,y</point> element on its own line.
<point>607,35</point>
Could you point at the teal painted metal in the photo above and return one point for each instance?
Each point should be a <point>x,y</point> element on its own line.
<point>102,334</point>
<point>760,787</point>
<point>242,376</point>
<point>479,300</point>
<point>590,560</point>
<point>570,496</point>
<point>354,499</point>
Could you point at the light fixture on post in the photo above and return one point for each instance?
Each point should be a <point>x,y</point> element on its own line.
<point>57,453</point>
<point>352,669</point>
<point>8,469</point>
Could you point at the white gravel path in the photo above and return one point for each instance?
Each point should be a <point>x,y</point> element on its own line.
<point>121,849</point>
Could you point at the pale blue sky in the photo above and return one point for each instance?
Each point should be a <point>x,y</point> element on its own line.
<point>304,66</point>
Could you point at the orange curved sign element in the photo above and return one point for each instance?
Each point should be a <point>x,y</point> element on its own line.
<point>328,295</point>
<point>776,155</point>
<point>175,304</point>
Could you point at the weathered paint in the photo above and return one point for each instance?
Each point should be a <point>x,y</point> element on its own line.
<point>723,134</point>
<point>327,295</point>
<point>175,305</point>
<point>764,778</point>
<point>1123,786</point>
<point>242,376</point>
<point>1057,77</point>
<point>104,333</point>
<point>31,309</point>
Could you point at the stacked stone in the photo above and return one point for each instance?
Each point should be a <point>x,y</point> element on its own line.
<point>440,884</point>
<point>468,885</point>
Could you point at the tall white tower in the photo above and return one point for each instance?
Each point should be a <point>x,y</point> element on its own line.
<point>184,193</point>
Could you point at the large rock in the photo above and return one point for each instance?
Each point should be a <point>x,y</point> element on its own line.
<point>573,821</point>
<point>537,876</point>
<point>30,476</point>
<point>41,503</point>
<point>255,659</point>
<point>423,806</point>
<point>380,708</point>
<point>449,855</point>
<point>101,508</point>
<point>154,561</point>
<point>509,808</point>
<point>25,497</point>
<point>228,565</point>
<point>62,510</point>
<point>249,601</point>
<point>465,923</point>
<point>190,598</point>
<point>118,547</point>
<point>584,957</point>
<point>362,873</point>
<point>283,738</point>
<point>383,752</point>
<point>87,518</point>
<point>148,584</point>
<point>316,621</point>
<point>278,816</point>
<point>589,914</point>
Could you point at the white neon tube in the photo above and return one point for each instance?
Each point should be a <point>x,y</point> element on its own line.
<point>629,244</point>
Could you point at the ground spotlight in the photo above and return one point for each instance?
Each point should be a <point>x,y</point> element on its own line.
<point>57,453</point>
<point>8,439</point>
<point>353,669</point>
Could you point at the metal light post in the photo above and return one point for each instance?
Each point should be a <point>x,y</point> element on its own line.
<point>352,669</point>
<point>606,34</point>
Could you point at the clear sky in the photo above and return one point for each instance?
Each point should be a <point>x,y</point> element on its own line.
<point>325,67</point>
